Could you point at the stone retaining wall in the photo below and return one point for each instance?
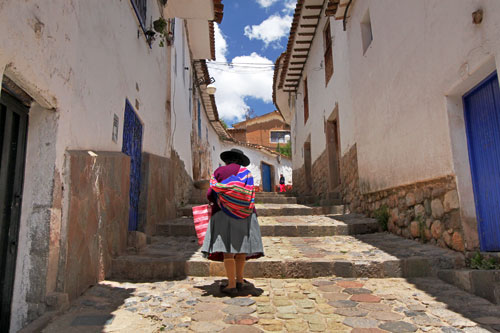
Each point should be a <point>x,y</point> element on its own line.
<point>156,202</point>
<point>98,217</point>
<point>350,180</point>
<point>299,181</point>
<point>320,175</point>
<point>428,210</point>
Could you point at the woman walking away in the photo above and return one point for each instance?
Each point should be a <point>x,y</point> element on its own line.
<point>282,183</point>
<point>233,234</point>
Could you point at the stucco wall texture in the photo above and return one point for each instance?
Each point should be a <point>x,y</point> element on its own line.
<point>392,99</point>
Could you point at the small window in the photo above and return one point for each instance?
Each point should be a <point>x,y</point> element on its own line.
<point>141,10</point>
<point>366,31</point>
<point>328,52</point>
<point>306,102</point>
<point>280,136</point>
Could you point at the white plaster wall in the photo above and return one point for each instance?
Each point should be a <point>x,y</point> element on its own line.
<point>84,59</point>
<point>256,156</point>
<point>392,99</point>
<point>324,97</point>
<point>420,50</point>
<point>181,94</point>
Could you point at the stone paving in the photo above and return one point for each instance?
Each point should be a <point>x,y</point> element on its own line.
<point>370,255</point>
<point>274,305</point>
<point>289,226</point>
<point>282,209</point>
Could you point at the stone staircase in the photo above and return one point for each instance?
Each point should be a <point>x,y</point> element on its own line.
<point>300,241</point>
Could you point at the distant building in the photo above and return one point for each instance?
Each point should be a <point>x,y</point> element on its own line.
<point>267,130</point>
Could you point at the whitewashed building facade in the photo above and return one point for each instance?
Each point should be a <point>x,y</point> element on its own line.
<point>378,92</point>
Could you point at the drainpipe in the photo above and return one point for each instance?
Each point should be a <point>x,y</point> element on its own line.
<point>345,14</point>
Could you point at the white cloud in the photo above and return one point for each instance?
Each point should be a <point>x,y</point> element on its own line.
<point>289,6</point>
<point>237,82</point>
<point>271,29</point>
<point>266,3</point>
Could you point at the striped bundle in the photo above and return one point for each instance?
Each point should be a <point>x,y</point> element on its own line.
<point>236,195</point>
<point>201,216</point>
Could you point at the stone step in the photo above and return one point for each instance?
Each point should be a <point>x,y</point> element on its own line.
<point>480,282</point>
<point>270,194</point>
<point>276,200</point>
<point>377,255</point>
<point>280,210</point>
<point>293,226</point>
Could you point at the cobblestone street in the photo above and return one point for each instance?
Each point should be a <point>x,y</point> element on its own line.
<point>321,273</point>
<point>274,305</point>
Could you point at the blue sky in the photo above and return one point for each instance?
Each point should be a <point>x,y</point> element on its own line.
<point>253,33</point>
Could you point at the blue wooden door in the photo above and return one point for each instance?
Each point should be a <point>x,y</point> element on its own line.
<point>482,119</point>
<point>132,146</point>
<point>266,177</point>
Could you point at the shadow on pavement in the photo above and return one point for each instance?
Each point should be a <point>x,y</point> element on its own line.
<point>214,289</point>
<point>419,264</point>
<point>93,311</point>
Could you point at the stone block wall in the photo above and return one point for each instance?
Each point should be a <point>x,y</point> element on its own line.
<point>350,180</point>
<point>183,183</point>
<point>320,175</point>
<point>428,211</point>
<point>98,217</point>
<point>156,201</point>
<point>299,181</point>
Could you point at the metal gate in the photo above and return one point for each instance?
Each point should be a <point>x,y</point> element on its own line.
<point>266,177</point>
<point>132,146</point>
<point>482,119</point>
<point>13,132</point>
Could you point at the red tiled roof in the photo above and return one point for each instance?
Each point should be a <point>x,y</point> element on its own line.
<point>218,14</point>
<point>275,79</point>
<point>209,100</point>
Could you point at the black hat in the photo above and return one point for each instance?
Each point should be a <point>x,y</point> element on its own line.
<point>235,154</point>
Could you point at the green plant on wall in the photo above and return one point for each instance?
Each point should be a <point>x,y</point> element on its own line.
<point>224,124</point>
<point>286,149</point>
<point>382,216</point>
<point>421,227</point>
<point>480,262</point>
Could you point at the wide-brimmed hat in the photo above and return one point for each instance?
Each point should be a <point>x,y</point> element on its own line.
<point>235,154</point>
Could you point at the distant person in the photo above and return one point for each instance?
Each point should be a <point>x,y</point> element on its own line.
<point>282,183</point>
<point>233,234</point>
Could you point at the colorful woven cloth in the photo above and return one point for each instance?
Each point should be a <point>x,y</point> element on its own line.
<point>235,195</point>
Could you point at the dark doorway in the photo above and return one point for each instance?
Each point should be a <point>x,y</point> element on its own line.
<point>132,146</point>
<point>482,121</point>
<point>307,166</point>
<point>13,134</point>
<point>333,146</point>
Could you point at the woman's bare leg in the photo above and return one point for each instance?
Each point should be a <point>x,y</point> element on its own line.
<point>230,265</point>
<point>240,259</point>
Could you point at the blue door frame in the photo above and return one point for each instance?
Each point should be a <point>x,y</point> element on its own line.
<point>266,177</point>
<point>132,146</point>
<point>482,120</point>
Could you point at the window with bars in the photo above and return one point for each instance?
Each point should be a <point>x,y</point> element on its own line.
<point>328,55</point>
<point>141,9</point>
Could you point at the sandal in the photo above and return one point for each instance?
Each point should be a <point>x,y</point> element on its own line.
<point>229,291</point>
<point>241,285</point>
